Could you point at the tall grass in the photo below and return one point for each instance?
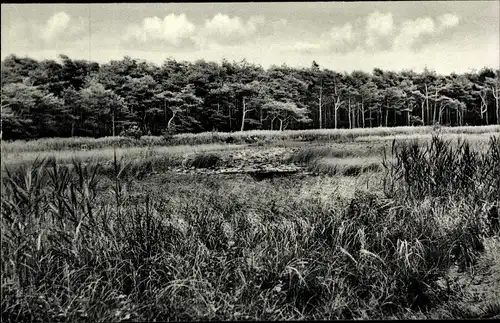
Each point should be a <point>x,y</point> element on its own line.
<point>438,168</point>
<point>80,247</point>
<point>350,160</point>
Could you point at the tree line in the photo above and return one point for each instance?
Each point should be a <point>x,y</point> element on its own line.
<point>69,97</point>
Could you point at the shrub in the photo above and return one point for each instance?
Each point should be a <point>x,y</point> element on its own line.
<point>132,132</point>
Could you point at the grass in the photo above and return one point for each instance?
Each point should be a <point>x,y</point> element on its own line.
<point>76,143</point>
<point>475,139</point>
<point>345,166</point>
<point>160,157</point>
<point>82,242</point>
<point>340,159</point>
<point>253,136</point>
<point>324,134</point>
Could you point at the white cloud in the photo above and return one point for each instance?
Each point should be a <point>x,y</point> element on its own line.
<point>411,30</point>
<point>173,29</point>
<point>340,37</point>
<point>55,26</point>
<point>448,21</point>
<point>223,29</point>
<point>378,25</point>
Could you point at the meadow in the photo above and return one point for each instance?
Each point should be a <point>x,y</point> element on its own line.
<point>385,223</point>
<point>325,135</point>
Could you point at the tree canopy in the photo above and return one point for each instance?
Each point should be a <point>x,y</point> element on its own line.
<point>69,97</point>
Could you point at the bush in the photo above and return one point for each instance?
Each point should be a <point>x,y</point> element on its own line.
<point>168,134</point>
<point>416,121</point>
<point>132,132</point>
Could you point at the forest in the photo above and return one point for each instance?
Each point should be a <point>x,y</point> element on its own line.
<point>67,97</point>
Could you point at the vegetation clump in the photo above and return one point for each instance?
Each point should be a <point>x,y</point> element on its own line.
<point>132,132</point>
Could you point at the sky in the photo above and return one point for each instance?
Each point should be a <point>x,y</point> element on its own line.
<point>446,36</point>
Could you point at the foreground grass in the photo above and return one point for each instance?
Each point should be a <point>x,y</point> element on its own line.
<point>80,244</point>
<point>253,136</point>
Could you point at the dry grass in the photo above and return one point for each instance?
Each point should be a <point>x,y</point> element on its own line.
<point>477,140</point>
<point>173,153</point>
<point>259,136</point>
<point>352,166</point>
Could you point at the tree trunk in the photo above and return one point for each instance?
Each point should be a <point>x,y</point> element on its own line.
<point>363,113</point>
<point>423,113</point>
<point>171,119</point>
<point>272,123</point>
<point>320,108</point>
<point>113,122</point>
<point>243,117</point>
<point>435,103</point>
<point>495,94</point>
<point>427,102</point>
<point>349,113</point>
<point>484,107</point>
<point>281,124</point>
<point>386,115</point>
<point>165,111</point>
<point>356,116</point>
<point>325,121</point>
<point>487,118</point>
<point>336,112</point>
<point>335,116</point>
<point>394,123</point>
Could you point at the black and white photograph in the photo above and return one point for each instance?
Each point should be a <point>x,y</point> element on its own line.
<point>250,161</point>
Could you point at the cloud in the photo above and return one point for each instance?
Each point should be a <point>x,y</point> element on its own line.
<point>173,29</point>
<point>56,25</point>
<point>378,25</point>
<point>412,30</point>
<point>448,21</point>
<point>225,30</point>
<point>340,37</point>
<point>178,31</point>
